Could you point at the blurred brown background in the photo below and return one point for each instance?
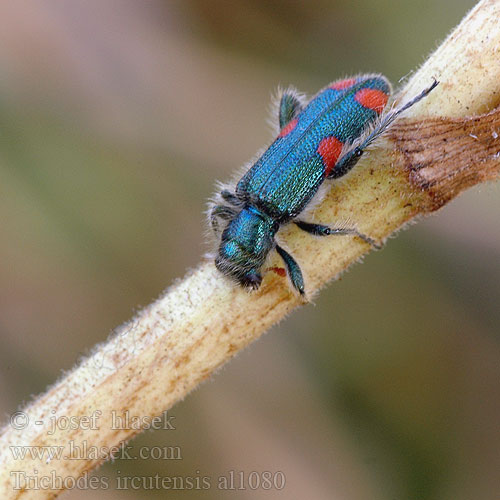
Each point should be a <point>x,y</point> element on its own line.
<point>116,118</point>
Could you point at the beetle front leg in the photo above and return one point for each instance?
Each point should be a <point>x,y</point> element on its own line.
<point>321,230</point>
<point>290,106</point>
<point>223,212</point>
<point>293,270</point>
<point>231,198</point>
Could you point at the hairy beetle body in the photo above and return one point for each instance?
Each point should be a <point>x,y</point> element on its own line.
<point>323,139</point>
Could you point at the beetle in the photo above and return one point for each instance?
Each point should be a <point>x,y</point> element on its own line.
<point>318,140</point>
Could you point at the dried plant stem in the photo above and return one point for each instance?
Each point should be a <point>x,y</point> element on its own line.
<point>202,321</point>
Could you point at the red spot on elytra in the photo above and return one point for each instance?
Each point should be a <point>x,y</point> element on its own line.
<point>343,84</point>
<point>280,271</point>
<point>372,99</point>
<point>288,128</point>
<point>329,149</point>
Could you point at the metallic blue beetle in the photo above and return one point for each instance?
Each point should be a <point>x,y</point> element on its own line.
<point>320,140</point>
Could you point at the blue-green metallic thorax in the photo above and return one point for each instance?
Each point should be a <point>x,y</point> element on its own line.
<point>247,240</point>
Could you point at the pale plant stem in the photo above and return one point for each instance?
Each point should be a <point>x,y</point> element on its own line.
<point>202,321</point>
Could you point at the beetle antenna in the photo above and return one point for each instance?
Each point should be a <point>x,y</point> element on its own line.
<point>382,127</point>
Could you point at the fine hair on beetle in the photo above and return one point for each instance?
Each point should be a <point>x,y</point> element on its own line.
<point>318,139</point>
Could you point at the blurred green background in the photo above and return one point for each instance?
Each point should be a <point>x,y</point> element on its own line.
<point>116,118</point>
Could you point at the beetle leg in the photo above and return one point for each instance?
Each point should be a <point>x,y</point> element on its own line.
<point>290,106</point>
<point>231,198</point>
<point>225,213</point>
<point>321,230</point>
<point>346,163</point>
<point>351,158</point>
<point>293,269</point>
